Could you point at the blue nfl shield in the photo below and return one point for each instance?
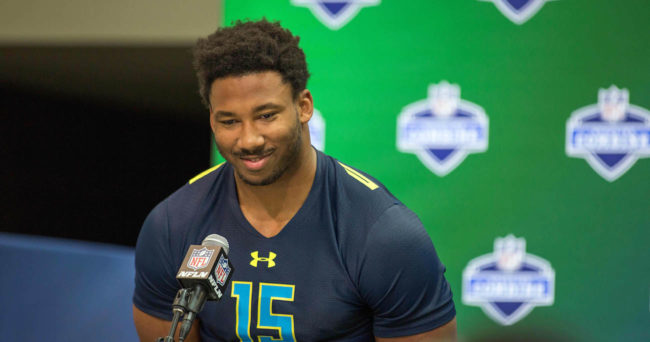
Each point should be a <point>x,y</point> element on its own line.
<point>335,13</point>
<point>518,11</point>
<point>442,129</point>
<point>317,130</point>
<point>200,258</point>
<point>508,283</point>
<point>611,135</point>
<point>222,271</point>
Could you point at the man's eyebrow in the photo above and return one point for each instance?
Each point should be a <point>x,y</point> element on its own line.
<point>268,106</point>
<point>221,113</point>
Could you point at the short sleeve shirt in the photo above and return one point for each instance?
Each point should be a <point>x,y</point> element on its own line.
<point>353,263</point>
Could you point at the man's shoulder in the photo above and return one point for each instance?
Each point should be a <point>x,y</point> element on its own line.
<point>194,195</point>
<point>359,191</point>
<point>200,185</point>
<point>364,205</point>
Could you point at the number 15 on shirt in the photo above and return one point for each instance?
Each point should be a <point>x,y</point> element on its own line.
<point>266,319</point>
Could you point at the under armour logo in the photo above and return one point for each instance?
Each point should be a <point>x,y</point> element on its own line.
<point>256,258</point>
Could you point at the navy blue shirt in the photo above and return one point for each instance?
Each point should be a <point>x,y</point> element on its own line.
<point>353,263</point>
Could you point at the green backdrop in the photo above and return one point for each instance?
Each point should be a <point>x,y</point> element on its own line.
<point>528,78</point>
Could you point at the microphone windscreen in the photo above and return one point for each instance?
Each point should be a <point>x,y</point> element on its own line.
<point>216,240</point>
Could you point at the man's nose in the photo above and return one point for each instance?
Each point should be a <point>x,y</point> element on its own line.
<point>250,139</point>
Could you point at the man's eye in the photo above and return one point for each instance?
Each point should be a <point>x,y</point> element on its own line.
<point>267,116</point>
<point>227,122</point>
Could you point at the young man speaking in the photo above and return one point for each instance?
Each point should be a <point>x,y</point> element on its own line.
<point>322,251</point>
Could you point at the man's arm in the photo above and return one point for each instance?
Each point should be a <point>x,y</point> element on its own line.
<point>150,328</point>
<point>445,333</point>
<point>155,278</point>
<point>402,280</point>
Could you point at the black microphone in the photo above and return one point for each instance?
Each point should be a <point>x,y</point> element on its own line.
<point>206,271</point>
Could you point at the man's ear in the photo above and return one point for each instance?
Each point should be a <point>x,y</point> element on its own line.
<point>305,106</point>
<point>211,119</point>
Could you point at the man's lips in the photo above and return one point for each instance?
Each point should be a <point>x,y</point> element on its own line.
<point>255,163</point>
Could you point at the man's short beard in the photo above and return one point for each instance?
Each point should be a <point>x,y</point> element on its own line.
<point>293,152</point>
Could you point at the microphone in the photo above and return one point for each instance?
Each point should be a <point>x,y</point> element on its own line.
<point>205,271</point>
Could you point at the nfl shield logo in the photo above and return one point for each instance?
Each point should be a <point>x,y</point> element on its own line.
<point>508,283</point>
<point>611,135</point>
<point>200,258</point>
<point>518,11</point>
<point>335,13</point>
<point>317,130</point>
<point>222,271</point>
<point>442,129</point>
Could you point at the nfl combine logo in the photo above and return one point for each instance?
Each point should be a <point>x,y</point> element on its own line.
<point>335,13</point>
<point>610,135</point>
<point>317,130</point>
<point>222,271</point>
<point>442,129</point>
<point>518,11</point>
<point>200,258</point>
<point>508,283</point>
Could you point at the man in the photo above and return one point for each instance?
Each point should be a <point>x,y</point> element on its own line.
<point>322,252</point>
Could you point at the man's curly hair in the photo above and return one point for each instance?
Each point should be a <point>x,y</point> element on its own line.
<point>249,47</point>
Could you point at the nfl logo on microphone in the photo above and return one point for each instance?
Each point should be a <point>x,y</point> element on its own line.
<point>611,135</point>
<point>200,258</point>
<point>222,271</point>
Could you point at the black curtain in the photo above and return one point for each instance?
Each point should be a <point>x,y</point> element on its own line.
<point>93,138</point>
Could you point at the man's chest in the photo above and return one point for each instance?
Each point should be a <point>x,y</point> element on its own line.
<point>286,290</point>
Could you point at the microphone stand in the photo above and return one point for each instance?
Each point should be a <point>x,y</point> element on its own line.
<point>179,308</point>
<point>198,296</point>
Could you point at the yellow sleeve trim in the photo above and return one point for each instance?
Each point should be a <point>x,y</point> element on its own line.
<point>202,174</point>
<point>361,178</point>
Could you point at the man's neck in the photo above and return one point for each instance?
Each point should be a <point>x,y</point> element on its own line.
<point>270,207</point>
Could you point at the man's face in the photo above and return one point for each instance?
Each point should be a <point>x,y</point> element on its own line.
<point>257,124</point>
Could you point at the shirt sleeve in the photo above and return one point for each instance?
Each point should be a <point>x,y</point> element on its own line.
<point>401,277</point>
<point>155,277</point>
